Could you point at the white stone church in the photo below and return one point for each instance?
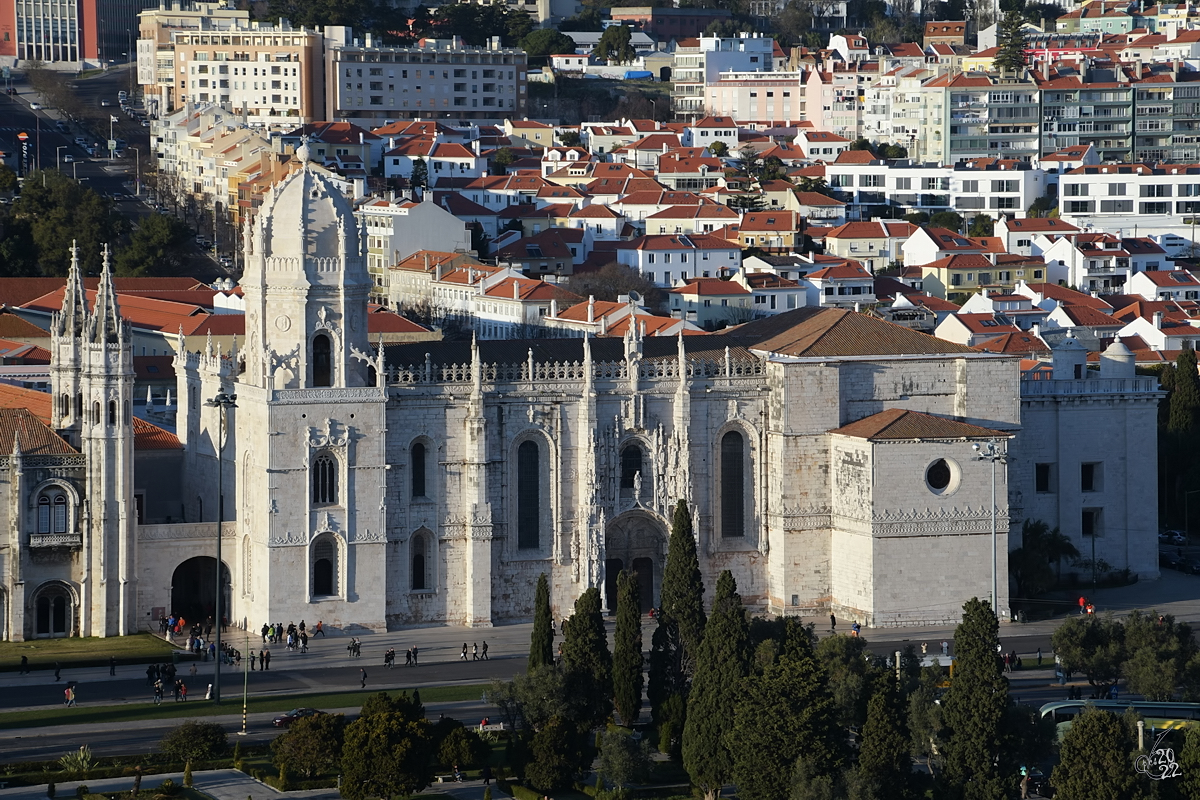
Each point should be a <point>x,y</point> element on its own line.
<point>828,457</point>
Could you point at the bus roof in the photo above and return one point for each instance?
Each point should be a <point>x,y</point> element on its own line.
<point>1144,706</point>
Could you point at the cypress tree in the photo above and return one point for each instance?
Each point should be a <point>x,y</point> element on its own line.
<point>974,707</point>
<point>627,650</point>
<point>782,714</point>
<point>1011,41</point>
<point>682,587</point>
<point>541,646</point>
<point>721,664</point>
<point>1185,397</point>
<point>586,660</point>
<point>884,762</point>
<point>1095,758</point>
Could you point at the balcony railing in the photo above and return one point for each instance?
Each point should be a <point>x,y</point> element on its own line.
<point>56,540</point>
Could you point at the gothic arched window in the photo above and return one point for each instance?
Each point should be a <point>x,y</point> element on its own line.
<point>733,485</point>
<point>322,369</point>
<point>52,512</point>
<point>418,470</point>
<point>324,480</point>
<point>95,413</point>
<point>112,412</point>
<point>420,563</point>
<point>631,465</point>
<point>529,495</point>
<point>324,555</point>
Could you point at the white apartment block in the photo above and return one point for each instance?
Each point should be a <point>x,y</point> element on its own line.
<point>668,261</point>
<point>759,99</point>
<point>696,67</point>
<point>396,230</point>
<point>1133,198</point>
<point>369,83</point>
<point>270,75</point>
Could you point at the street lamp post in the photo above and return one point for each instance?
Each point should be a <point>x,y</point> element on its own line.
<point>57,158</point>
<point>223,402</point>
<point>111,147</point>
<point>993,452</point>
<point>1187,517</point>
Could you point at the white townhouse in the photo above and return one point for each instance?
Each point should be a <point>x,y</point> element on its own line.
<point>1018,235</point>
<point>671,260</point>
<point>1104,261</point>
<point>1175,284</point>
<point>846,285</point>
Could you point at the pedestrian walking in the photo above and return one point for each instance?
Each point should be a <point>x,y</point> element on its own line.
<point>57,671</point>
<point>408,657</point>
<point>1039,656</point>
<point>485,655</point>
<point>183,690</point>
<point>264,633</point>
<point>24,665</point>
<point>1082,603</point>
<point>415,652</point>
<point>158,692</point>
<point>475,651</point>
<point>71,693</point>
<point>945,648</point>
<point>486,774</point>
<point>924,648</point>
<point>320,630</point>
<point>176,690</point>
<point>463,657</point>
<point>302,628</point>
<point>192,671</point>
<point>267,660</point>
<point>112,665</point>
<point>262,659</point>
<point>362,673</point>
<point>208,694</point>
<point>832,624</point>
<point>303,642</point>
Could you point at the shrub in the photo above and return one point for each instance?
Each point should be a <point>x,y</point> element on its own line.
<point>284,784</point>
<point>462,747</point>
<point>51,789</point>
<point>169,787</point>
<point>187,775</point>
<point>195,741</point>
<point>78,763</point>
<point>81,790</point>
<point>487,793</point>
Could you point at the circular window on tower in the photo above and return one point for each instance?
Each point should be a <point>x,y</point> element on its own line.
<point>942,476</point>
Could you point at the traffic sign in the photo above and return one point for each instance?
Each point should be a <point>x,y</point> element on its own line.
<point>23,136</point>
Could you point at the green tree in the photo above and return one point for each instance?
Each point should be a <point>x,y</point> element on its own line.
<point>719,149</point>
<point>623,759</point>
<point>782,714</point>
<point>884,762</point>
<point>614,45</point>
<point>1157,653</point>
<point>541,645</point>
<point>721,664</point>
<point>627,650</point>
<point>155,248</point>
<point>809,184</point>
<point>746,203</point>
<point>586,660</point>
<point>846,661</point>
<point>917,218</point>
<point>982,225</point>
<point>1094,646</point>
<point>555,751</point>
<point>195,741</point>
<point>1095,760</point>
<point>589,20</point>
<point>547,42</point>
<point>1185,395</point>
<point>974,707</point>
<point>312,745</point>
<point>8,179</point>
<point>946,219</point>
<point>1189,762</point>
<point>387,749</point>
<point>461,747</point>
<point>420,174</point>
<point>925,719</point>
<point>502,159</point>
<point>569,138</point>
<point>1011,41</point>
<point>1030,563</point>
<point>892,151</point>
<point>680,626</point>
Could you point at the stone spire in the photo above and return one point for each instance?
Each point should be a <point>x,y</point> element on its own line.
<point>106,321</point>
<point>74,307</point>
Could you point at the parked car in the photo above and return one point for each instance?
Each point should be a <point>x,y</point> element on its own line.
<point>68,159</point>
<point>36,106</point>
<point>106,103</point>
<point>1189,565</point>
<point>1168,558</point>
<point>284,720</point>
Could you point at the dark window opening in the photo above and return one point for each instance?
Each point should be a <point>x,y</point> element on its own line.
<point>938,475</point>
<point>1042,478</point>
<point>324,556</point>
<point>733,486</point>
<point>529,491</point>
<point>418,470</point>
<point>322,361</point>
<point>631,465</point>
<point>418,564</point>
<point>324,478</point>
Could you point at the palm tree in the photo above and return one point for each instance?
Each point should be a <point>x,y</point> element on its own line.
<point>1051,544</point>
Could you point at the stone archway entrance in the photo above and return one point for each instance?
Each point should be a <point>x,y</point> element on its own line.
<point>635,541</point>
<point>53,611</point>
<point>193,592</point>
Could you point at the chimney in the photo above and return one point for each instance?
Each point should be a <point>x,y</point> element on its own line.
<point>516,290</point>
<point>591,308</point>
<point>1158,320</point>
<point>553,308</point>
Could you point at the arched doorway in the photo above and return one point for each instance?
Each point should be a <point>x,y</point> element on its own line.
<point>53,611</point>
<point>636,541</point>
<point>192,591</point>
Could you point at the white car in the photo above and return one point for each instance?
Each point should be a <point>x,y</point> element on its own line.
<point>68,159</point>
<point>36,106</point>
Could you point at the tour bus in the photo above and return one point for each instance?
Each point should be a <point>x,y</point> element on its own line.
<point>1158,716</point>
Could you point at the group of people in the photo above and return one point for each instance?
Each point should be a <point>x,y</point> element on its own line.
<point>354,648</point>
<point>1011,661</point>
<point>294,636</point>
<point>1086,607</point>
<point>410,657</point>
<point>475,654</point>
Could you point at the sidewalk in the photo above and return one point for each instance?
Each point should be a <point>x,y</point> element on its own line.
<point>224,784</point>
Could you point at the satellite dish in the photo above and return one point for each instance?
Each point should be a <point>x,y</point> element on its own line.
<point>634,296</point>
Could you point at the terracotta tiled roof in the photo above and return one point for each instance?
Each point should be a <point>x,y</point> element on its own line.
<point>36,437</point>
<point>148,436</point>
<point>1087,316</point>
<point>710,287</point>
<point>1014,343</point>
<point>833,332</point>
<point>899,423</point>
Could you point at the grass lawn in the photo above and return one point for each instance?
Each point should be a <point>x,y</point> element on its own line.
<point>141,648</point>
<point>195,708</point>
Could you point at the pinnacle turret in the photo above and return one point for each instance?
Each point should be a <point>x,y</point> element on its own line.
<point>106,321</point>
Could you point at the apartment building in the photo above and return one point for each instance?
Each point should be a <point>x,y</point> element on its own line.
<point>1165,198</point>
<point>759,99</point>
<point>370,83</point>
<point>155,50</point>
<point>975,115</point>
<point>397,229</point>
<point>699,64</point>
<point>269,75</point>
<point>78,34</point>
